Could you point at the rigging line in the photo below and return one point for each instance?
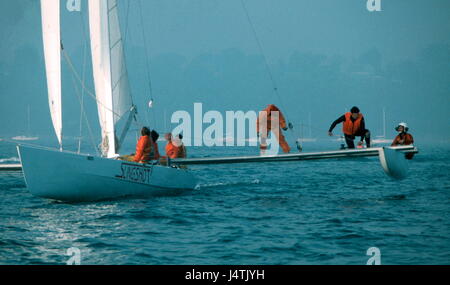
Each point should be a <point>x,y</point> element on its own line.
<point>269,71</point>
<point>150,86</point>
<point>82,100</point>
<point>83,114</point>
<point>136,121</point>
<point>31,144</point>
<point>126,24</point>
<point>122,40</point>
<point>83,78</point>
<point>83,85</point>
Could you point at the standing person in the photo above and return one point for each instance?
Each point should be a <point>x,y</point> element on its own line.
<point>263,130</point>
<point>403,138</point>
<point>353,125</point>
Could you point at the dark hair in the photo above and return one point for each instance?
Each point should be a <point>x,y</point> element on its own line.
<point>154,135</point>
<point>354,110</point>
<point>145,131</point>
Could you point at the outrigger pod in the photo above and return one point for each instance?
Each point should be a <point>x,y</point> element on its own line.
<point>393,162</point>
<point>392,158</point>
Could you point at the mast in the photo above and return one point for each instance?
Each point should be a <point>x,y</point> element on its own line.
<point>50,13</point>
<point>310,127</point>
<point>28,121</point>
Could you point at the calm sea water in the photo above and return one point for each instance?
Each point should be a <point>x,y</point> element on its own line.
<point>316,212</point>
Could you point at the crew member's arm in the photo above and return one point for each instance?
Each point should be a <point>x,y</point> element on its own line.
<point>411,139</point>
<point>396,140</point>
<point>282,121</point>
<point>171,150</point>
<point>363,129</point>
<point>338,121</point>
<point>156,151</point>
<point>183,153</point>
<point>257,126</point>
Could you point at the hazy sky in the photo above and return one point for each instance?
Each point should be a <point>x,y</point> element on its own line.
<point>325,55</point>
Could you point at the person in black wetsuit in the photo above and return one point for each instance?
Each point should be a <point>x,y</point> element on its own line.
<point>353,125</point>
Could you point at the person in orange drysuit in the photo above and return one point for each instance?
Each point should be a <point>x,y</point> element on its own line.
<point>403,138</point>
<point>175,148</point>
<point>143,147</point>
<point>266,116</point>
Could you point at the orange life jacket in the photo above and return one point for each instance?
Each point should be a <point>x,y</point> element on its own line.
<point>143,149</point>
<point>172,150</point>
<point>407,140</point>
<point>349,127</point>
<point>154,153</point>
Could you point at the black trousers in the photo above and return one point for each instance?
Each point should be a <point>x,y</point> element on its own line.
<point>363,134</point>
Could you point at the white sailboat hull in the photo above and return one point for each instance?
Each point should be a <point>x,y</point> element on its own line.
<point>67,176</point>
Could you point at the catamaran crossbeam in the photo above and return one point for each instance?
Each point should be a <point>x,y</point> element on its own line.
<point>391,158</point>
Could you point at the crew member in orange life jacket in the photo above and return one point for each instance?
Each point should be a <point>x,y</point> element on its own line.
<point>403,138</point>
<point>262,130</point>
<point>143,148</point>
<point>353,125</point>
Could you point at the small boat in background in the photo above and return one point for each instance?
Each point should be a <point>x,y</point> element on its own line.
<point>27,137</point>
<point>382,139</point>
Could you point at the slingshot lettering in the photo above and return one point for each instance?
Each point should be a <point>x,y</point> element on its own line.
<point>136,173</point>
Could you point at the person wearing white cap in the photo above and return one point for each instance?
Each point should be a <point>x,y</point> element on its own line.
<point>403,137</point>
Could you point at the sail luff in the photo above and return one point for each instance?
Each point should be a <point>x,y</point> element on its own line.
<point>50,13</point>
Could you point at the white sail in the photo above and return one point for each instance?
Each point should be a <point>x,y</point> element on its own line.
<point>52,53</point>
<point>110,74</point>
